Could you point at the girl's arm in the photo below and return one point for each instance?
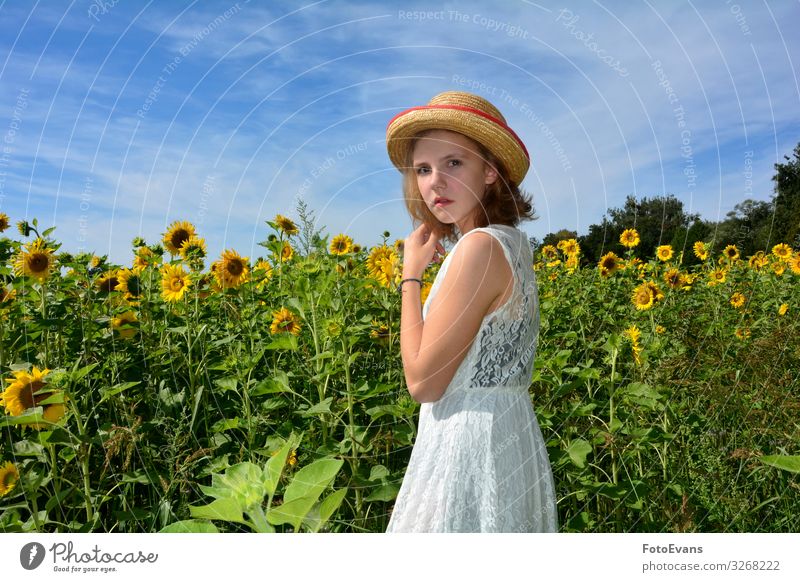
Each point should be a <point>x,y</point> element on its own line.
<point>432,350</point>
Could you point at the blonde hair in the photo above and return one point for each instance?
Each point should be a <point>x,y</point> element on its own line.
<point>503,201</point>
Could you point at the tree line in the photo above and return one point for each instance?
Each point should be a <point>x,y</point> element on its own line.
<point>752,225</point>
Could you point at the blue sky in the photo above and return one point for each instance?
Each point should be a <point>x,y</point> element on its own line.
<point>118,118</point>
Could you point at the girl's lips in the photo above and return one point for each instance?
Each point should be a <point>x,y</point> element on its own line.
<point>443,203</point>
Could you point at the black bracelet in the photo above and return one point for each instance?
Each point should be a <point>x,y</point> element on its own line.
<point>400,286</point>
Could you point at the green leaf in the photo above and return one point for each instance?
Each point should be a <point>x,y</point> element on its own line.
<point>107,393</point>
<point>283,341</point>
<point>190,526</point>
<point>243,481</point>
<point>577,451</point>
<point>227,384</point>
<point>77,375</point>
<point>378,472</point>
<point>385,492</point>
<point>321,513</point>
<point>275,385</point>
<point>393,410</point>
<point>274,467</point>
<point>226,508</point>
<point>225,424</point>
<point>33,416</point>
<point>789,463</point>
<point>292,512</point>
<point>311,480</point>
<point>323,407</point>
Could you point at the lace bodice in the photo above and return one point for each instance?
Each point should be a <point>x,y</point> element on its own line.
<point>504,349</point>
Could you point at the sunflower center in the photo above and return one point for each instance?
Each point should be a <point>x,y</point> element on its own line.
<point>179,237</point>
<point>177,284</point>
<point>109,284</point>
<point>235,268</point>
<point>9,479</point>
<point>38,262</point>
<point>134,286</point>
<point>28,395</point>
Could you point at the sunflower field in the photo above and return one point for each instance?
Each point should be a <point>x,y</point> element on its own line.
<point>183,394</point>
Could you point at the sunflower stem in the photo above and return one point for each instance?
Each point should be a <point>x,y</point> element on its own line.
<point>84,456</point>
<point>44,317</point>
<point>351,418</point>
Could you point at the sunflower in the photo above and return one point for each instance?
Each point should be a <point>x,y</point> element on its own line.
<point>341,244</point>
<point>96,261</point>
<point>4,222</point>
<point>608,264</point>
<point>794,263</point>
<point>642,297</point>
<point>572,263</point>
<point>287,252</point>
<point>333,328</point>
<point>390,270</point>
<point>633,334</point>
<point>286,225</point>
<point>569,247</point>
<point>177,234</point>
<point>232,269</point>
<point>629,238</point>
<point>555,263</point>
<point>108,282</point>
<point>35,260</point>
<point>174,282</point>
<point>778,268</point>
<point>783,309</point>
<point>425,291</point>
<point>130,283</point>
<point>8,478</point>
<point>656,292</point>
<point>380,331</point>
<point>376,255</point>
<point>737,300</point>
<point>263,272</point>
<point>664,252</point>
<point>27,390</point>
<point>674,278</point>
<point>356,248</point>
<point>124,324</point>
<point>716,277</point>
<point>742,333</point>
<point>144,256</point>
<point>660,329</point>
<point>194,249</point>
<point>758,261</point>
<point>284,321</point>
<point>782,251</point>
<point>731,253</point>
<point>5,294</point>
<point>700,250</point>
<point>549,252</point>
<point>399,245</point>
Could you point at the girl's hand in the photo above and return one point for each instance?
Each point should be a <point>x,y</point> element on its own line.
<point>420,249</point>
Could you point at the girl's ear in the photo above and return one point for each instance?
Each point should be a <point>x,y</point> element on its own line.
<point>490,174</point>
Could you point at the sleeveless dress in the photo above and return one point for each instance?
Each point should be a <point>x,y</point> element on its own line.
<point>479,462</point>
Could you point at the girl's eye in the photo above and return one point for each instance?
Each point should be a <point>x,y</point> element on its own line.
<point>421,171</point>
<point>456,162</point>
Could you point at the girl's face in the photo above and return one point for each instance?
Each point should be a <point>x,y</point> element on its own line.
<point>451,176</point>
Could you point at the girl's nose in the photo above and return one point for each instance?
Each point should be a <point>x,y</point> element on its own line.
<point>437,179</point>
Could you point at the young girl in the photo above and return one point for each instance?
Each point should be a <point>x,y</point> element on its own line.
<point>479,462</point>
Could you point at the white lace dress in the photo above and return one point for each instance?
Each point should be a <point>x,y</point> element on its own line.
<point>479,462</point>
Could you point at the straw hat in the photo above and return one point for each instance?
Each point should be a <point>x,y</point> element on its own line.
<point>464,113</point>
